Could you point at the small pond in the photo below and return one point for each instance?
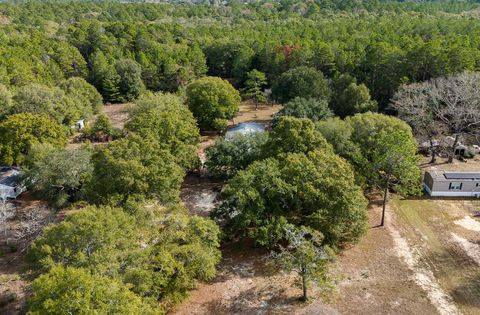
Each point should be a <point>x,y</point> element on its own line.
<point>244,129</point>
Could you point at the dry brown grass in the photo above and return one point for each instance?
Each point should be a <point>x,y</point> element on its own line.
<point>263,114</point>
<point>456,165</point>
<point>374,280</point>
<point>430,229</point>
<point>118,113</point>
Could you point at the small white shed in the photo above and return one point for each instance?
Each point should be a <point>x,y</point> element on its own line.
<point>79,125</point>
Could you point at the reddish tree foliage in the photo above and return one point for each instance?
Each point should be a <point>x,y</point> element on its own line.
<point>287,52</point>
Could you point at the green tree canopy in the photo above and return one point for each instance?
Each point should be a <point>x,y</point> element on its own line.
<point>134,167</point>
<point>350,98</point>
<point>254,86</point>
<point>186,249</point>
<point>79,89</point>
<point>76,291</point>
<point>69,60</point>
<point>311,108</point>
<point>62,107</point>
<point>100,69</point>
<point>338,133</point>
<point>171,123</point>
<point>57,174</point>
<point>297,135</point>
<point>377,136</point>
<point>212,101</point>
<point>20,131</point>
<point>158,252</point>
<point>102,128</point>
<point>228,156</point>
<point>394,164</point>
<point>111,86</point>
<point>99,239</point>
<point>130,76</point>
<point>317,190</point>
<point>301,82</point>
<point>5,101</point>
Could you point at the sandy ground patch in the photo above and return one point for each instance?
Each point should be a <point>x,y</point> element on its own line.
<point>199,194</point>
<point>247,112</point>
<point>421,275</point>
<point>469,223</point>
<point>472,249</point>
<point>118,113</point>
<point>243,286</point>
<point>375,280</point>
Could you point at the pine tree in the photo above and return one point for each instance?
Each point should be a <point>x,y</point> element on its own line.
<point>254,84</point>
<point>111,86</point>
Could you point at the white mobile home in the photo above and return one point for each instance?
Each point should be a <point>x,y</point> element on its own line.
<point>452,184</point>
<point>10,187</point>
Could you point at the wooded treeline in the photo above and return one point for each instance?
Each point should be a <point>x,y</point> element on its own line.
<point>381,44</point>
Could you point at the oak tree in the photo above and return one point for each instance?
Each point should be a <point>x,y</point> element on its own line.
<point>20,131</point>
<point>213,101</point>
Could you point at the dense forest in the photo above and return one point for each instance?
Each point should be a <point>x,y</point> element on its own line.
<point>342,70</point>
<point>381,44</point>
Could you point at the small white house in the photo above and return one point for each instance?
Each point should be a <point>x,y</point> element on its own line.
<point>10,186</point>
<point>452,184</point>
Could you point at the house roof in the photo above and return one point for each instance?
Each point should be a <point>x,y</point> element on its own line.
<point>454,175</point>
<point>9,176</point>
<point>462,175</point>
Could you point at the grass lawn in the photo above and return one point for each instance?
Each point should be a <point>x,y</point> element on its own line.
<point>444,246</point>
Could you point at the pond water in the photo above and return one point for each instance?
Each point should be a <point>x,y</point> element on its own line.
<point>244,128</point>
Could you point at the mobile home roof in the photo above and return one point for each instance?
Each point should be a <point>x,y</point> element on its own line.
<point>457,175</point>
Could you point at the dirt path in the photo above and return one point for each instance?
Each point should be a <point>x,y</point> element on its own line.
<point>375,280</point>
<point>443,253</point>
<point>421,275</point>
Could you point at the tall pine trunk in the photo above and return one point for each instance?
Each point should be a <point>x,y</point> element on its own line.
<point>385,198</point>
<point>434,152</point>
<point>452,155</point>
<point>304,285</point>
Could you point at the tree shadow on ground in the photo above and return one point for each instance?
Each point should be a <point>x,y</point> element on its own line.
<point>242,259</point>
<point>464,293</point>
<point>458,273</point>
<point>269,300</point>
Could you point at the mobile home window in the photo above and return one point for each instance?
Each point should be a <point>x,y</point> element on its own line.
<point>455,186</point>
